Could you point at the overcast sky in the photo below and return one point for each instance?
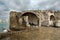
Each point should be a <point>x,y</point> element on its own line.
<point>19,5</point>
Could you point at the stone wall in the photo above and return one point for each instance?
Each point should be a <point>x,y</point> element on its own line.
<point>57,15</point>
<point>39,17</point>
<point>13,20</point>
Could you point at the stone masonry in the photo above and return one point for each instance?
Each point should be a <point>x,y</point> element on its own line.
<point>35,18</point>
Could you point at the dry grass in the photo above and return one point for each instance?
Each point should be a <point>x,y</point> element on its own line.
<point>42,33</point>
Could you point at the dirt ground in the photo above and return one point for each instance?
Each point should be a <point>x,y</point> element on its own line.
<point>41,33</point>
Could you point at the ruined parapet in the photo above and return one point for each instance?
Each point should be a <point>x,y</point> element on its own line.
<point>13,20</point>
<point>33,18</point>
<point>27,18</point>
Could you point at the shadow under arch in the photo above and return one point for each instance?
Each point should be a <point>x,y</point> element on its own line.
<point>52,18</point>
<point>32,19</point>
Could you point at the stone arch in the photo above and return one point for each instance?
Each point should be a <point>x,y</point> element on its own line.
<point>30,18</point>
<point>52,18</point>
<point>37,15</point>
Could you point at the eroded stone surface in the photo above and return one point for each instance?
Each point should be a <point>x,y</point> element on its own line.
<point>35,18</point>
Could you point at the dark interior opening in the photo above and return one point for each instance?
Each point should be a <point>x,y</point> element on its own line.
<point>52,18</point>
<point>32,19</point>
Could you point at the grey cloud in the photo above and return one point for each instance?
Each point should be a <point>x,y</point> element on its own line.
<point>20,5</point>
<point>26,4</point>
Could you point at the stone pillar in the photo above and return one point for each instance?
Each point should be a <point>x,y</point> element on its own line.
<point>26,20</point>
<point>48,21</point>
<point>39,22</point>
<point>20,21</point>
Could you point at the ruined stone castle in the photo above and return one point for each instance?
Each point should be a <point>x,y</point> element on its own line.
<point>36,18</point>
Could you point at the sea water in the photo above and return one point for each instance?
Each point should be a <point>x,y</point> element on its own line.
<point>3,26</point>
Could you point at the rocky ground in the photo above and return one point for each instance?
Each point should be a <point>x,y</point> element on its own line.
<point>42,33</point>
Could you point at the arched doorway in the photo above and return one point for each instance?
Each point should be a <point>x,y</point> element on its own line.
<point>52,19</point>
<point>30,18</point>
